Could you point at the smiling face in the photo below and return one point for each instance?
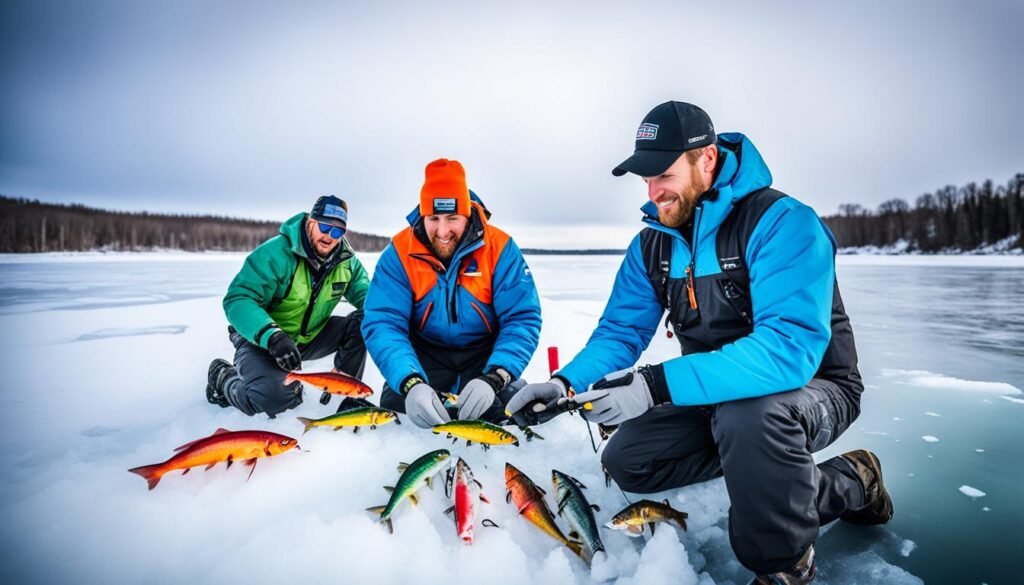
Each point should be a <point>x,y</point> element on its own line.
<point>445,232</point>
<point>323,243</point>
<point>675,191</point>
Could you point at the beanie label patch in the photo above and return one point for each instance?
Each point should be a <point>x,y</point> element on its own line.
<point>647,131</point>
<point>447,205</point>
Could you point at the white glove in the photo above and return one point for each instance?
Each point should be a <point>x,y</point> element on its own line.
<point>424,407</point>
<point>616,398</point>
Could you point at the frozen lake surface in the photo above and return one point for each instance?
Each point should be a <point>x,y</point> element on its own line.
<point>106,362</point>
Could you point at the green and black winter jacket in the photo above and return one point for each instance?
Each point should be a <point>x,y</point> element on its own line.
<point>275,288</point>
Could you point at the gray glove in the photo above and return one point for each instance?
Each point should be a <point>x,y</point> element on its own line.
<point>547,394</point>
<point>424,407</point>
<point>479,394</point>
<point>617,398</point>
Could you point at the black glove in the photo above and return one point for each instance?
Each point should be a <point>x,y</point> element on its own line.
<point>284,351</point>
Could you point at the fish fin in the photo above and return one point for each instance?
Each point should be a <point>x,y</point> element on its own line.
<point>372,428</point>
<point>402,467</point>
<point>665,501</point>
<point>651,524</point>
<point>484,499</point>
<point>307,423</point>
<point>576,547</point>
<point>378,510</point>
<point>595,507</point>
<point>355,430</point>
<point>391,527</point>
<point>266,449</point>
<point>231,459</point>
<point>397,420</point>
<point>187,469</point>
<point>489,523</point>
<point>252,467</point>
<point>412,498</point>
<point>508,497</point>
<point>450,510</point>
<point>574,536</point>
<point>211,466</point>
<point>430,482</point>
<point>151,473</point>
<point>389,489</point>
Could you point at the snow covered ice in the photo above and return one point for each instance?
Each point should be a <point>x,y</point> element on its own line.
<point>106,359</point>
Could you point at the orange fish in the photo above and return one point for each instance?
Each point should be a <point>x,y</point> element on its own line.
<point>529,500</point>
<point>222,445</point>
<point>332,382</point>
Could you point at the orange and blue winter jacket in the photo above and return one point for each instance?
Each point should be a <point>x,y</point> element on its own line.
<point>486,294</point>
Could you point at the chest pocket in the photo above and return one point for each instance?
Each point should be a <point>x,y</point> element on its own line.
<point>724,307</point>
<point>338,289</point>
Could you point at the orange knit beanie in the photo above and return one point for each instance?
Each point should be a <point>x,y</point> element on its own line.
<point>444,190</point>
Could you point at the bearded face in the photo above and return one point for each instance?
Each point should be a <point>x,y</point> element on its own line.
<point>445,232</point>
<point>676,191</point>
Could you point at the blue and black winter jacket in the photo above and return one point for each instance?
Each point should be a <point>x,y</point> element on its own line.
<point>767,310</point>
<point>484,296</point>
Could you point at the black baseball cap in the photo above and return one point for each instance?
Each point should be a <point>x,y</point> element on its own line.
<point>666,132</point>
<point>331,209</point>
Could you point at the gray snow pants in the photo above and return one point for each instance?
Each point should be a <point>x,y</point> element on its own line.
<point>259,385</point>
<point>763,447</point>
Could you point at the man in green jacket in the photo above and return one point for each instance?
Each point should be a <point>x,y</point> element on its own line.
<point>279,307</point>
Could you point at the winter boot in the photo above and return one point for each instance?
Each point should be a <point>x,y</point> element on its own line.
<point>799,574</point>
<point>219,373</point>
<point>877,503</point>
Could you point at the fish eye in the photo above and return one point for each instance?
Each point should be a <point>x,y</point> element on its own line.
<point>286,442</point>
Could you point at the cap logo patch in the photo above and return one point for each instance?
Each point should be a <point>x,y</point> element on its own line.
<point>697,139</point>
<point>647,132</point>
<point>447,205</point>
<point>335,211</point>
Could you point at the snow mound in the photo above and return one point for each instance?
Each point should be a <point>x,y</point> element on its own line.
<point>926,379</point>
<point>971,492</point>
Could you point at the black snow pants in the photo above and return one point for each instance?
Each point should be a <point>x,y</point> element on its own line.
<point>763,447</point>
<point>449,369</point>
<point>259,385</point>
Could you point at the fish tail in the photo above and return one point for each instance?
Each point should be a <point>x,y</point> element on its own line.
<point>308,423</point>
<point>151,473</point>
<point>577,547</point>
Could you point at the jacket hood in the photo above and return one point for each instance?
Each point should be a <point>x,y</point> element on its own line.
<point>741,172</point>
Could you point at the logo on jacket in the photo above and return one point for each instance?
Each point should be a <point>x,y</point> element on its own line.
<point>647,131</point>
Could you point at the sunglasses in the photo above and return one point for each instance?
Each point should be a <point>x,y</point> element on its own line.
<point>331,230</point>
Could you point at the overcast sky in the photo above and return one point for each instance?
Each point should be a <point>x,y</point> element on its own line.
<point>252,109</point>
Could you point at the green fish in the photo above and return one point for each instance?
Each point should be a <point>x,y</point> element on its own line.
<point>366,416</point>
<point>578,512</point>
<point>414,475</point>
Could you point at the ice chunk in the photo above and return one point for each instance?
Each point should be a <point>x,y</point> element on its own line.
<point>971,492</point>
<point>926,379</point>
<point>935,414</point>
<point>930,438</point>
<point>907,547</point>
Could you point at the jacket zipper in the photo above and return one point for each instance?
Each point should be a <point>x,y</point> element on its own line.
<point>316,290</point>
<point>690,284</point>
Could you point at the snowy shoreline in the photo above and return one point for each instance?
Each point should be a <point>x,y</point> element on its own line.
<point>948,260</point>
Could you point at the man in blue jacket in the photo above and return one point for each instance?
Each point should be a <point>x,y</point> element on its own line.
<point>452,308</point>
<point>768,373</point>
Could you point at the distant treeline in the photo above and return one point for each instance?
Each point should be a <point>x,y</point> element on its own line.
<point>31,226</point>
<point>594,252</point>
<point>951,219</point>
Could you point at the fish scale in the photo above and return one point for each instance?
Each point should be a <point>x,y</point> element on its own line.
<point>414,476</point>
<point>578,512</point>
